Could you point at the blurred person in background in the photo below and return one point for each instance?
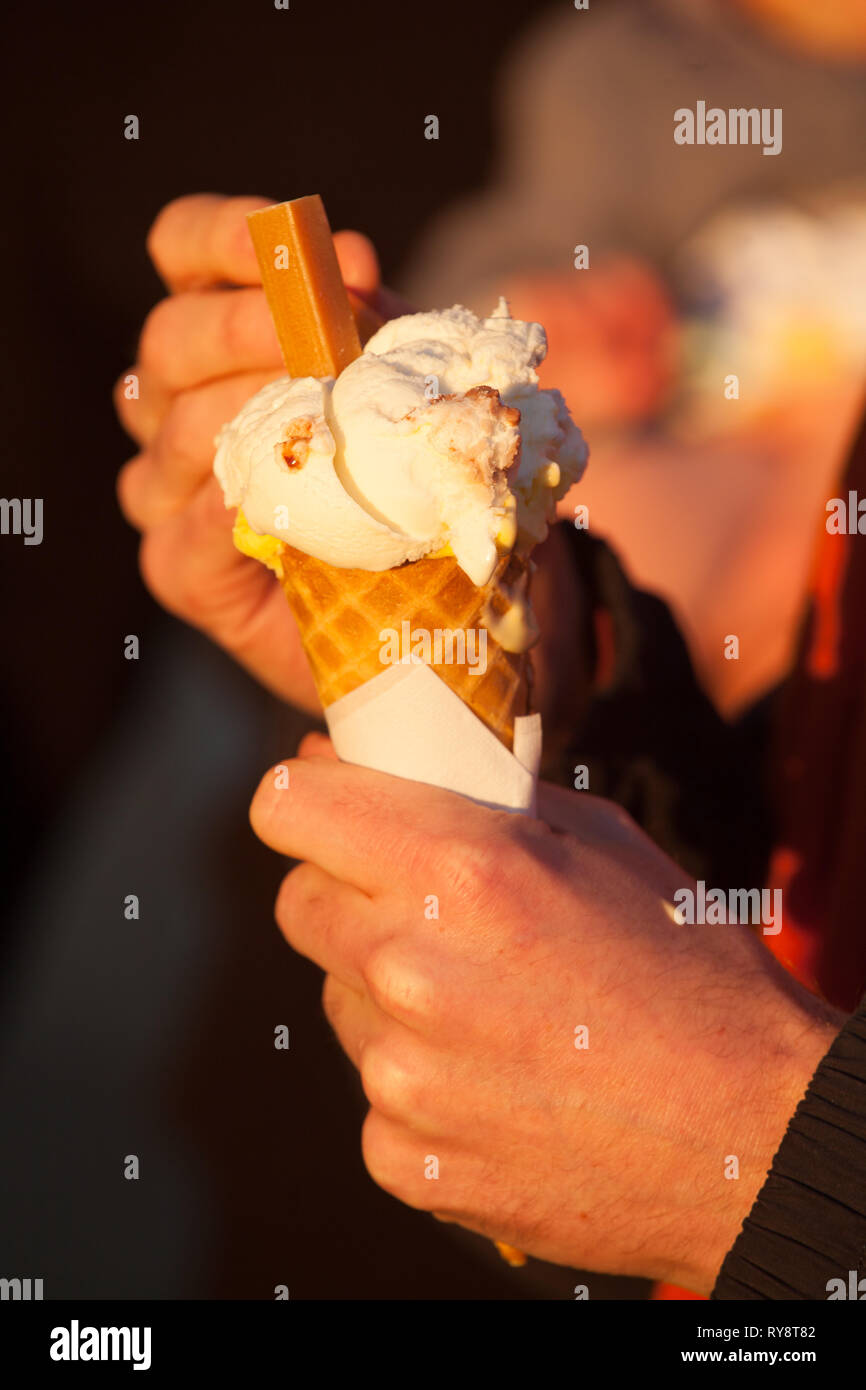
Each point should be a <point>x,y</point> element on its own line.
<point>705,261</point>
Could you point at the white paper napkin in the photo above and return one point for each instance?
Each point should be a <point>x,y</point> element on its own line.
<point>408,722</point>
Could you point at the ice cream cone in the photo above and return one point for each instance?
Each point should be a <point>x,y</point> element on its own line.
<point>345,616</point>
<point>415,481</point>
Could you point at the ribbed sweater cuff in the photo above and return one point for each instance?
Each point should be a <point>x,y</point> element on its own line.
<point>808,1223</point>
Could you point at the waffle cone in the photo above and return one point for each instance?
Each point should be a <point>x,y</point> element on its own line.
<point>342,612</point>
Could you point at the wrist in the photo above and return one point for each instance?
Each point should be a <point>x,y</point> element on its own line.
<point>757,1119</point>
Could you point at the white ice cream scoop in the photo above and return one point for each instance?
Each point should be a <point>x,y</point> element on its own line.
<point>436,437</point>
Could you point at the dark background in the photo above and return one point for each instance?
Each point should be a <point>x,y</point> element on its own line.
<point>231,98</point>
<point>259,1179</point>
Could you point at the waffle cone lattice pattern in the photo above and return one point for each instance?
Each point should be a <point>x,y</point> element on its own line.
<point>341,613</point>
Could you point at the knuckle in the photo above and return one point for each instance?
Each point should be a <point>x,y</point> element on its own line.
<point>391,1165</point>
<point>221,601</point>
<point>246,339</point>
<point>388,1084</point>
<point>302,895</point>
<point>234,325</point>
<point>230,225</point>
<point>155,347</point>
<point>291,895</point>
<point>333,1000</point>
<point>169,573</point>
<point>180,434</point>
<point>161,233</point>
<point>119,398</point>
<point>378,974</point>
<point>475,873</point>
<point>267,811</point>
<point>164,574</point>
<point>612,813</point>
<point>156,233</point>
<point>398,987</point>
<point>375,1150</point>
<point>126,495</point>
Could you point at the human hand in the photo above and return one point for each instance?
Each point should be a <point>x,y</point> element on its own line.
<point>462,1021</point>
<point>203,352</point>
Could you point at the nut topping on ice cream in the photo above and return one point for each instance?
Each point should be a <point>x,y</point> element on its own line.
<point>436,438</point>
<point>296,442</point>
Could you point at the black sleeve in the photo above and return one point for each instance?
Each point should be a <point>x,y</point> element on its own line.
<point>653,741</point>
<point>808,1224</point>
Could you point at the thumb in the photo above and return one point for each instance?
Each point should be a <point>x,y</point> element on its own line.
<point>317,745</point>
<point>558,807</point>
<point>592,819</point>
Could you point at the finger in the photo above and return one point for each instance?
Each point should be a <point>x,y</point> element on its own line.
<point>315,745</point>
<point>390,304</point>
<point>359,267</point>
<point>372,303</point>
<point>373,309</point>
<point>192,338</point>
<point>463,1186</point>
<point>328,921</point>
<point>359,264</point>
<point>160,481</point>
<point>203,240</point>
<point>367,828</point>
<point>601,824</point>
<point>400,1162</point>
<point>131,486</point>
<point>592,820</point>
<point>352,1016</point>
<point>368,319</point>
<point>141,403</point>
<point>202,335</point>
<point>582,814</point>
<point>192,567</point>
<point>371,954</point>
